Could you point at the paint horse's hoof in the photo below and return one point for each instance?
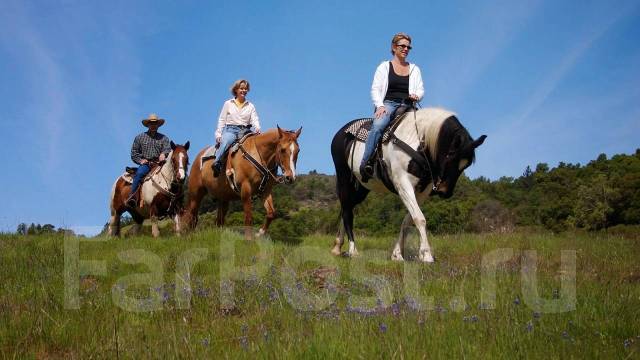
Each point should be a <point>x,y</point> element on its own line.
<point>425,256</point>
<point>336,251</point>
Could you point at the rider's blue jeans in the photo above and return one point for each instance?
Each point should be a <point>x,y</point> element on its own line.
<point>378,126</point>
<point>229,135</point>
<point>142,171</point>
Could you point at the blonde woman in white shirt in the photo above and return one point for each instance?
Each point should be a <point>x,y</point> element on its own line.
<point>237,115</point>
<point>396,83</point>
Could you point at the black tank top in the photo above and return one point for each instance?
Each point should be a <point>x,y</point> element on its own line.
<point>398,88</point>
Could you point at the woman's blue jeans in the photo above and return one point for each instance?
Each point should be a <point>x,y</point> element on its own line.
<point>378,126</point>
<point>229,135</point>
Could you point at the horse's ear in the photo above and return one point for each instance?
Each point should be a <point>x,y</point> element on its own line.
<point>479,141</point>
<point>279,132</point>
<point>186,145</point>
<point>299,132</point>
<point>173,145</point>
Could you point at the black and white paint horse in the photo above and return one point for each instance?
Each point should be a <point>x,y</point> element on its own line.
<point>442,150</point>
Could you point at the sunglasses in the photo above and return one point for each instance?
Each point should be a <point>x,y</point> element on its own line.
<point>408,47</point>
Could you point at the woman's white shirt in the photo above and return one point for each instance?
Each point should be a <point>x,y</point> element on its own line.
<point>232,115</point>
<point>381,83</point>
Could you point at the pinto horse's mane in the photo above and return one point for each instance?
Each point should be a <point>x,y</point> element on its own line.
<point>439,126</point>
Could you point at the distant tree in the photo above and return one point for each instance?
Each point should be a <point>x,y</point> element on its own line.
<point>22,229</point>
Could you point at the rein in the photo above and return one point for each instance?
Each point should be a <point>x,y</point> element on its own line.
<point>263,170</point>
<point>420,157</point>
<point>171,195</point>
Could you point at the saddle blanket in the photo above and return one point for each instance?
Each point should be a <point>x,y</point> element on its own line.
<point>360,130</point>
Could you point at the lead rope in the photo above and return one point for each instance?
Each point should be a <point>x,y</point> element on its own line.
<point>434,187</point>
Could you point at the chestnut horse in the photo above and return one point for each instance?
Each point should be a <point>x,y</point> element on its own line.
<point>160,194</point>
<point>249,172</point>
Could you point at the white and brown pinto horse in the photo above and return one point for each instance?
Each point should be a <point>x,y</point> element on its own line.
<point>161,193</point>
<point>429,152</point>
<point>249,172</point>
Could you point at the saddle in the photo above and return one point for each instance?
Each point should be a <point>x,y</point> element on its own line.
<point>211,150</point>
<point>130,172</point>
<point>359,130</point>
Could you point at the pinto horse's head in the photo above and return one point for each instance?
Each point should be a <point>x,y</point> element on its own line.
<point>180,161</point>
<point>287,151</point>
<point>456,152</point>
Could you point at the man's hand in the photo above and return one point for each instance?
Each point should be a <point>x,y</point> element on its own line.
<point>143,161</point>
<point>161,157</point>
<point>380,111</point>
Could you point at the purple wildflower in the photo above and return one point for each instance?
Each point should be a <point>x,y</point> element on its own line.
<point>516,301</point>
<point>383,327</point>
<point>244,343</point>
<point>395,309</point>
<point>205,342</point>
<point>536,315</point>
<point>474,318</point>
<point>628,343</point>
<point>529,327</point>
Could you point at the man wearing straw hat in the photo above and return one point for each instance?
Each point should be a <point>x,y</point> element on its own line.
<point>148,147</point>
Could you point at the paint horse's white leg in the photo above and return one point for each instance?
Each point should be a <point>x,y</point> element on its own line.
<point>155,231</point>
<point>398,249</point>
<point>176,220</point>
<point>407,194</point>
<point>337,248</point>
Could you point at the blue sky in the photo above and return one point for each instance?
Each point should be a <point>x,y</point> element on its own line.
<point>547,81</point>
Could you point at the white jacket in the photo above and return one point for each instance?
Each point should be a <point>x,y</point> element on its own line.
<point>381,83</point>
<point>231,115</point>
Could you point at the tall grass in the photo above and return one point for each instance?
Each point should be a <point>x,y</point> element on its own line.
<point>329,307</point>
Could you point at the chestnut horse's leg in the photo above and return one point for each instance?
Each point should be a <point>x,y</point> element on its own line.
<point>196,192</point>
<point>245,195</point>
<point>271,213</point>
<point>114,223</point>
<point>223,206</point>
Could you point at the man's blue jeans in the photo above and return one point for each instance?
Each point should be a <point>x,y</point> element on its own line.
<point>142,171</point>
<point>378,126</point>
<point>229,135</point>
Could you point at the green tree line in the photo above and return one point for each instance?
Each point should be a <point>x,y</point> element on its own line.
<point>601,194</point>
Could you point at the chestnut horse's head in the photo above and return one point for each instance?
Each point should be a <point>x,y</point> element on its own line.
<point>287,150</point>
<point>180,161</point>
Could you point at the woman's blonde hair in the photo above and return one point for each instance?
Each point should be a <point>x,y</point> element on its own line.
<point>236,85</point>
<point>397,37</point>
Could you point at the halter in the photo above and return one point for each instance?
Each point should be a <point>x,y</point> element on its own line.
<point>172,196</point>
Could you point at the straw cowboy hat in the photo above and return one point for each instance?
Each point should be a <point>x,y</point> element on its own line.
<point>152,119</point>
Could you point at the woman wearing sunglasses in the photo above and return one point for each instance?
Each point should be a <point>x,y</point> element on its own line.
<point>396,83</point>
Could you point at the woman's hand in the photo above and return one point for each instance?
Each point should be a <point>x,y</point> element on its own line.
<point>218,139</point>
<point>413,97</point>
<point>380,111</point>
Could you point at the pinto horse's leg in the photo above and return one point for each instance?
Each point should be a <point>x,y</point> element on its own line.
<point>347,221</point>
<point>407,194</point>
<point>245,195</point>
<point>337,248</point>
<point>271,214</point>
<point>398,249</point>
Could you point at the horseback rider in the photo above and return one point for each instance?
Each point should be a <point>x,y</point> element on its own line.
<point>148,147</point>
<point>237,115</point>
<point>396,84</point>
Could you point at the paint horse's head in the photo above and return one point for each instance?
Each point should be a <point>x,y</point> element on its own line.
<point>287,150</point>
<point>179,161</point>
<point>455,151</point>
